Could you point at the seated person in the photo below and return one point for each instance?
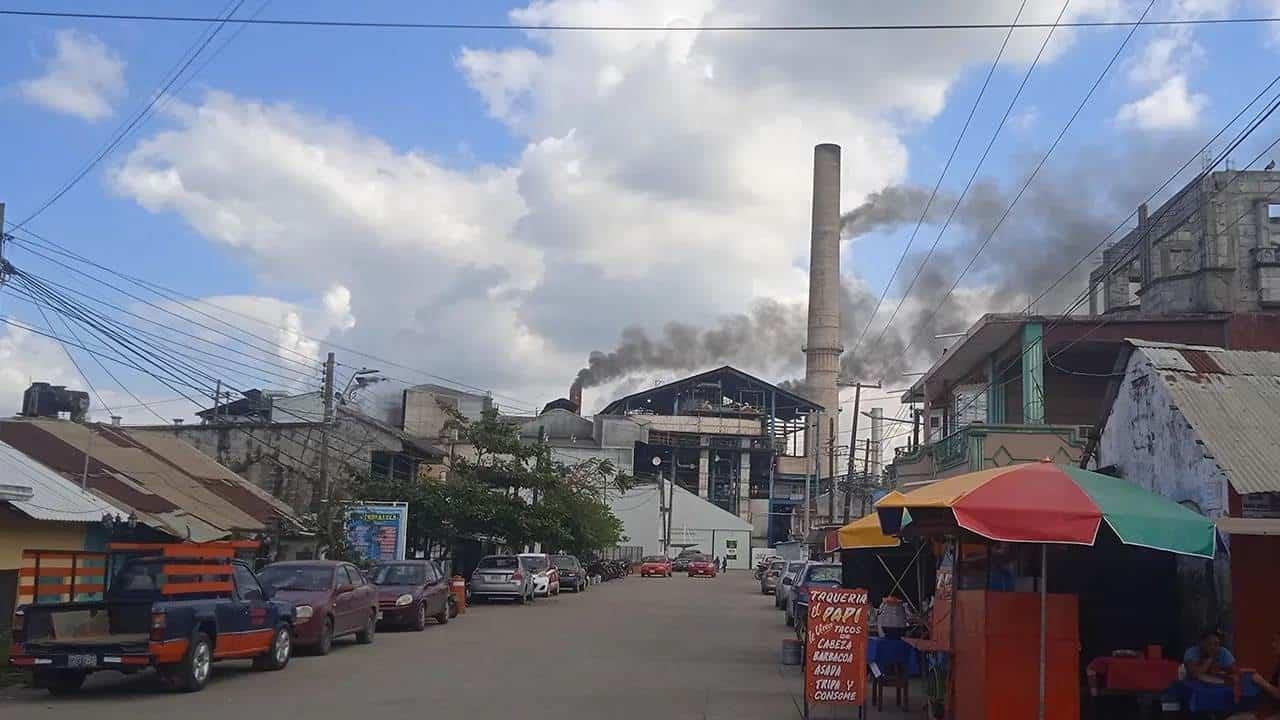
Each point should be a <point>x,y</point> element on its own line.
<point>1269,687</point>
<point>1208,661</point>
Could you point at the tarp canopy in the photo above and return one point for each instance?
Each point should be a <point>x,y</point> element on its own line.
<point>865,532</point>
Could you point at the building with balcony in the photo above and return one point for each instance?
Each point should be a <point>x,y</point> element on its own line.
<point>728,437</point>
<point>1019,388</point>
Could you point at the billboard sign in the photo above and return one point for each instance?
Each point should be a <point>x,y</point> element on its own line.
<point>378,530</point>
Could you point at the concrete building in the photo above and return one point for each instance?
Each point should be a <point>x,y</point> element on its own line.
<point>1018,388</point>
<point>575,439</point>
<point>1198,424</point>
<point>275,443</point>
<point>727,437</point>
<point>696,524</point>
<point>1213,247</point>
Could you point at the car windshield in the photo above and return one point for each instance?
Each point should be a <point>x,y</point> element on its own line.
<point>297,577</point>
<point>499,562</point>
<point>824,574</point>
<point>567,562</point>
<point>138,578</point>
<point>399,575</point>
<point>534,563</point>
<point>654,559</point>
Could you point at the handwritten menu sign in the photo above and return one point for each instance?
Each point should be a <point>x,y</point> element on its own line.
<point>835,669</point>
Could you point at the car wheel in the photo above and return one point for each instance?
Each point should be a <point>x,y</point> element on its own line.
<point>522,599</point>
<point>453,607</point>
<point>790,620</point>
<point>420,618</point>
<point>64,682</point>
<point>365,636</point>
<point>193,671</point>
<point>276,656</point>
<point>442,617</point>
<point>325,644</point>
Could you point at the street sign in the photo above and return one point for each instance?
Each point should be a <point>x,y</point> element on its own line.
<point>835,669</point>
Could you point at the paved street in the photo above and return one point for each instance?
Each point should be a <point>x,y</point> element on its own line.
<point>638,648</point>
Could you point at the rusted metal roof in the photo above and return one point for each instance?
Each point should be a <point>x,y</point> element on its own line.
<point>1231,398</point>
<point>53,497</point>
<point>167,483</point>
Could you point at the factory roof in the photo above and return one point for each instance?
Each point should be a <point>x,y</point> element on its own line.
<point>46,495</point>
<point>1231,398</point>
<point>731,381</point>
<point>168,484</point>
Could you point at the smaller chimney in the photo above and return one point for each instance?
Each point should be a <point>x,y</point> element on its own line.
<point>575,395</point>
<point>115,420</point>
<point>177,421</point>
<point>1142,215</point>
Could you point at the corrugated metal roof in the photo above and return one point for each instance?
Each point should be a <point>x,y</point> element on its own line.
<point>1232,400</point>
<point>53,496</point>
<point>170,485</point>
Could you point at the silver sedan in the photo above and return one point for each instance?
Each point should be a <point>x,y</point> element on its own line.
<point>502,577</point>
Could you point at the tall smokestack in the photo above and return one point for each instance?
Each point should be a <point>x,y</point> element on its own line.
<point>575,395</point>
<point>822,351</point>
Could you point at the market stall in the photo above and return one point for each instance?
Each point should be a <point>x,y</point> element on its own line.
<point>1015,646</point>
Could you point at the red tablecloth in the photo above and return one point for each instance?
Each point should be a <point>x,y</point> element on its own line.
<point>1133,674</point>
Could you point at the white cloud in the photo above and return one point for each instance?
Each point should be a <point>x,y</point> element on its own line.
<point>83,78</point>
<point>663,176</point>
<point>1170,107</point>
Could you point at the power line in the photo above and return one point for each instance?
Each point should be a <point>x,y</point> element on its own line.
<point>1026,77</point>
<point>560,27</point>
<point>1035,171</point>
<point>180,298</point>
<point>924,213</point>
<point>137,119</point>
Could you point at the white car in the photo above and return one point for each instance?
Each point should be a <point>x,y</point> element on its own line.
<point>546,578</point>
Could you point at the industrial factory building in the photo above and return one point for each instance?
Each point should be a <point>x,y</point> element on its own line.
<point>729,438</point>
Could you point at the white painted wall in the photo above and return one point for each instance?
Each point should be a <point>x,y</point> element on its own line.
<point>1148,439</point>
<point>695,520</point>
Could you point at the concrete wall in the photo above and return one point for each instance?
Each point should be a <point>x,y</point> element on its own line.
<point>283,458</point>
<point>1150,442</point>
<point>699,425</point>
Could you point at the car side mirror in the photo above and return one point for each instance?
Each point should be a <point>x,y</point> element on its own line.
<point>345,588</point>
<point>786,581</point>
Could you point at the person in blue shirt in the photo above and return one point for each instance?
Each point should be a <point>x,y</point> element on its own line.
<point>1208,661</point>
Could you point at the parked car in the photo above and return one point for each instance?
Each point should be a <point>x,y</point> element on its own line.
<point>572,574</point>
<point>827,575</point>
<point>683,559</point>
<point>410,591</point>
<point>762,564</point>
<point>155,613</point>
<point>502,576</point>
<point>784,583</point>
<point>772,576</point>
<point>656,566</point>
<point>702,566</point>
<point>331,600</point>
<point>546,579</point>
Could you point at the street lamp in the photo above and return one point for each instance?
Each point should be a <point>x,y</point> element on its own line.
<point>360,378</point>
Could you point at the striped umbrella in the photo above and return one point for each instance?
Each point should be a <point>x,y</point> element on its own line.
<point>1047,503</point>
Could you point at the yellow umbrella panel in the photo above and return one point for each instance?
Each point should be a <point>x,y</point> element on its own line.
<point>865,533</point>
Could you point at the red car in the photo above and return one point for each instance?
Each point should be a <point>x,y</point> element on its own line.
<point>330,598</point>
<point>655,565</point>
<point>702,567</point>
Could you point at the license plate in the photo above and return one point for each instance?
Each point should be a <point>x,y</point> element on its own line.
<point>82,661</point>
<point>495,578</point>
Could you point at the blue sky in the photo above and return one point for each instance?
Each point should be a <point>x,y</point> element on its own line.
<point>492,206</point>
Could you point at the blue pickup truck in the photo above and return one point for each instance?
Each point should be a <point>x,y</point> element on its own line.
<point>179,610</point>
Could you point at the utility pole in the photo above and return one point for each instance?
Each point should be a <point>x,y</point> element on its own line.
<point>217,400</point>
<point>866,476</point>
<point>853,438</point>
<point>817,462</point>
<point>322,491</point>
<point>831,472</point>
